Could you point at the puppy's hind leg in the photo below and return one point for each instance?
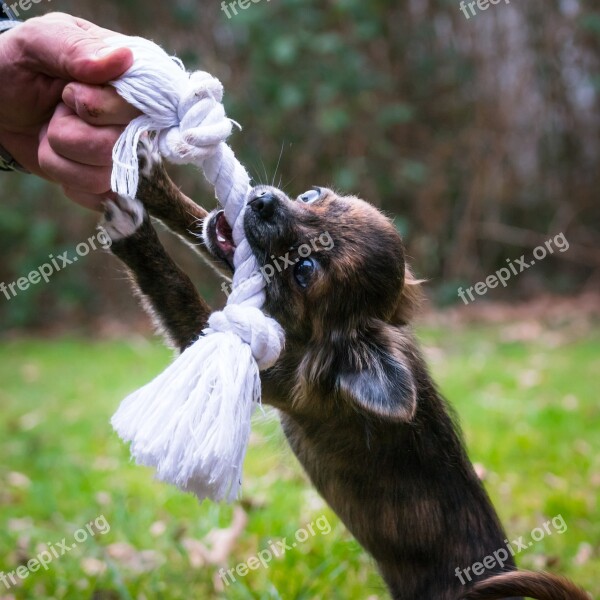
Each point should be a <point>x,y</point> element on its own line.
<point>167,292</point>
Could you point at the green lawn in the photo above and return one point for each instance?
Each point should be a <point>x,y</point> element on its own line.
<point>529,410</point>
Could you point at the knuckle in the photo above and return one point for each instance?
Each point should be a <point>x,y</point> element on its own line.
<point>55,133</point>
<point>55,16</point>
<point>46,159</point>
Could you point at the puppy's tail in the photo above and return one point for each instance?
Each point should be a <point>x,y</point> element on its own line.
<point>541,586</point>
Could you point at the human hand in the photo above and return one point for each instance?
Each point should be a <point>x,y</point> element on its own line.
<point>59,130</point>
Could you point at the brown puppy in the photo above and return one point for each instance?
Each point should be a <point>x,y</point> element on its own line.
<point>357,403</point>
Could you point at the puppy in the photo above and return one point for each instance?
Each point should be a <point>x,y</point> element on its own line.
<point>357,403</point>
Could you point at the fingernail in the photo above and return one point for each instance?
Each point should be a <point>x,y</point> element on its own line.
<point>68,97</point>
<point>104,51</point>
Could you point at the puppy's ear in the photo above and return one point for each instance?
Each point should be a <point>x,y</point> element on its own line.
<point>375,376</point>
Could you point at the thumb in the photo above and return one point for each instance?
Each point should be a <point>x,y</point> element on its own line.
<point>94,63</point>
<point>75,50</point>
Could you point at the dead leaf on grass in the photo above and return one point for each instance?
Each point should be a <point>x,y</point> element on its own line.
<point>584,553</point>
<point>18,480</point>
<point>158,528</point>
<point>93,567</point>
<point>219,544</point>
<point>127,556</point>
<point>18,525</point>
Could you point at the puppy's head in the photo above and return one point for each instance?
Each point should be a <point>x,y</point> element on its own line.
<point>336,281</point>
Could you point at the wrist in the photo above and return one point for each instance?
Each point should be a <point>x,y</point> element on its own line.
<point>12,153</point>
<point>8,163</point>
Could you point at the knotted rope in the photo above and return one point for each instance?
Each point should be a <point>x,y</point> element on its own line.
<point>192,423</point>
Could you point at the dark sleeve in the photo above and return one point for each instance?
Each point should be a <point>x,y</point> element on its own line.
<point>7,162</point>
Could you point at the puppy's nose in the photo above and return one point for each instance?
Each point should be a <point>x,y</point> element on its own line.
<point>264,205</point>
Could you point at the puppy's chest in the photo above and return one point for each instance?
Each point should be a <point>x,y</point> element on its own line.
<point>336,454</point>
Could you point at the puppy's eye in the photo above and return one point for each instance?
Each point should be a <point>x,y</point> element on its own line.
<point>310,196</point>
<point>304,271</point>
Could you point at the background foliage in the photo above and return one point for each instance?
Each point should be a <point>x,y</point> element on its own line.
<point>480,136</point>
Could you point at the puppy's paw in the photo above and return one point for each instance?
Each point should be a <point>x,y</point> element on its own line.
<point>122,217</point>
<point>148,157</point>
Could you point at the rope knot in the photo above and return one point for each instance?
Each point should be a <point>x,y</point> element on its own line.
<point>263,334</point>
<point>203,124</point>
<point>184,110</point>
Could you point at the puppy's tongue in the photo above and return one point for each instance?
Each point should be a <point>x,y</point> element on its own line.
<point>224,234</point>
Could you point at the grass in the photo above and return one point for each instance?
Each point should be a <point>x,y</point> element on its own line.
<point>529,410</point>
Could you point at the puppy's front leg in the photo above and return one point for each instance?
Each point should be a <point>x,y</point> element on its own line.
<point>167,292</point>
<point>167,203</point>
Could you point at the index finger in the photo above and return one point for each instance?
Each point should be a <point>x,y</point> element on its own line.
<point>99,105</point>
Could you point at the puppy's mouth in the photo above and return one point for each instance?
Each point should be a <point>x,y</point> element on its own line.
<point>224,234</point>
<point>267,225</point>
<point>218,238</point>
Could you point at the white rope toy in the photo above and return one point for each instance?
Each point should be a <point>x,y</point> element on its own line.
<point>192,423</point>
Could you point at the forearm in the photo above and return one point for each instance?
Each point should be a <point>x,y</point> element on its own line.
<point>12,155</point>
<point>18,138</point>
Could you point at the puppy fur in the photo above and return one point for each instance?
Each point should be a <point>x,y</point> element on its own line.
<point>357,403</point>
